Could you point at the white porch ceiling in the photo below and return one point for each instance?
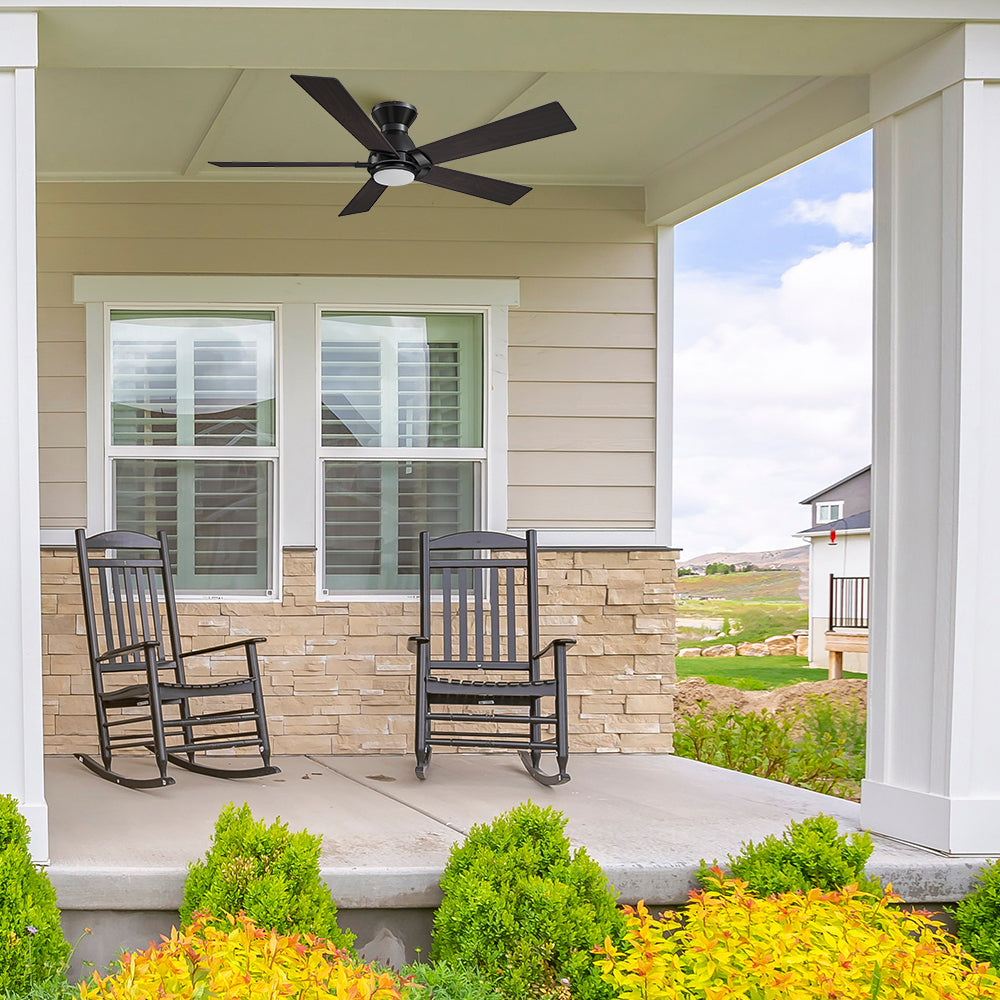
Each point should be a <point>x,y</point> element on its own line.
<point>684,105</point>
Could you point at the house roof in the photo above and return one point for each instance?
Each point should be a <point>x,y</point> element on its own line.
<point>839,482</point>
<point>856,522</point>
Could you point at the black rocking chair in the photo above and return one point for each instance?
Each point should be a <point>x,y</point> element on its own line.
<point>133,590</point>
<point>479,678</point>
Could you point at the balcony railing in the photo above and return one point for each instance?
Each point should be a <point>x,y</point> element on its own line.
<point>848,602</point>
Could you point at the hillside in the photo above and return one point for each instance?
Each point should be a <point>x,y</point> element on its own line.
<point>788,559</point>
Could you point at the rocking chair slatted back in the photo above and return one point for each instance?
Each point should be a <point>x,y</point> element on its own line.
<point>133,596</point>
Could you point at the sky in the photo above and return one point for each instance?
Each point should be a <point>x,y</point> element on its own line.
<point>772,353</point>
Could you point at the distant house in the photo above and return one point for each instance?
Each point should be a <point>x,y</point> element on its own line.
<point>839,567</point>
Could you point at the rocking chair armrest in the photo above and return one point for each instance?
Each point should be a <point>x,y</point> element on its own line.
<point>250,640</point>
<point>416,641</point>
<point>131,648</point>
<point>555,642</point>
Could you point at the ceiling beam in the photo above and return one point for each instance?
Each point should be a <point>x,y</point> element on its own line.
<point>223,115</point>
<point>808,121</point>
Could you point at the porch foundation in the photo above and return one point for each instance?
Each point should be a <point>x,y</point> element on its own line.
<point>338,676</point>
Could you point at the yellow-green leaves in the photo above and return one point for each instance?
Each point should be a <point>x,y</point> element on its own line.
<point>241,962</point>
<point>848,945</point>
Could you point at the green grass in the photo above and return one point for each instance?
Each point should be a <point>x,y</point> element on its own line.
<point>779,585</point>
<point>753,673</point>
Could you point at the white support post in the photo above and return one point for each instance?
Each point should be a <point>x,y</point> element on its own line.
<point>934,674</point>
<point>21,773</point>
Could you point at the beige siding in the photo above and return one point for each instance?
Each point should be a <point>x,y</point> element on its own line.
<point>582,354</point>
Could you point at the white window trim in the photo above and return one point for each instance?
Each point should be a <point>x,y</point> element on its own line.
<point>296,515</point>
<point>493,453</point>
<point>101,452</point>
<point>839,504</point>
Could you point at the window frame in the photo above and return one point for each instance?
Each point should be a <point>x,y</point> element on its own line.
<point>838,516</point>
<point>479,457</point>
<point>259,453</point>
<point>296,515</point>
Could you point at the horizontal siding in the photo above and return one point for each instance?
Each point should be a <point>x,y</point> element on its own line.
<point>582,342</point>
<point>580,329</point>
<point>210,255</point>
<point>275,223</point>
<point>566,399</point>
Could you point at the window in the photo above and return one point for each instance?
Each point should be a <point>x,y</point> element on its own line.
<point>386,399</point>
<point>829,511</point>
<point>401,440</point>
<point>191,440</point>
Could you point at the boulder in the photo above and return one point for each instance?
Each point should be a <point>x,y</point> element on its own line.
<point>801,643</point>
<point>689,651</point>
<point>726,649</point>
<point>781,645</point>
<point>752,649</point>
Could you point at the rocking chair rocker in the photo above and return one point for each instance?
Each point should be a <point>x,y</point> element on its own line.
<point>134,590</point>
<point>479,619</point>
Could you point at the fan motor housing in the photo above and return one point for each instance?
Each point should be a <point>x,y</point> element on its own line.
<point>394,119</point>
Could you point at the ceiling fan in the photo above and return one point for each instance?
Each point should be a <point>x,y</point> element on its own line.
<point>393,159</point>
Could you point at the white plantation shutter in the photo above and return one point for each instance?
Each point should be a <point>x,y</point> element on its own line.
<point>144,392</point>
<point>408,389</point>
<point>202,383</point>
<point>351,386</point>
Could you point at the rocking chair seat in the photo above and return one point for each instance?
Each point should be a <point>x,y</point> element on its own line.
<point>138,694</point>
<point>496,692</point>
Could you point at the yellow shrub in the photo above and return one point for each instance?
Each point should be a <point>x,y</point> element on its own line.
<point>849,945</point>
<point>243,962</point>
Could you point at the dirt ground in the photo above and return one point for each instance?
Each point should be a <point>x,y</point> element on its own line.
<point>692,690</point>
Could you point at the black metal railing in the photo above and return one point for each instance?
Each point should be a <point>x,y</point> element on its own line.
<point>848,602</point>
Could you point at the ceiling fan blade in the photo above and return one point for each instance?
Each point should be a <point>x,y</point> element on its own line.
<point>277,163</point>
<point>364,199</point>
<point>479,187</point>
<point>539,123</point>
<point>333,97</point>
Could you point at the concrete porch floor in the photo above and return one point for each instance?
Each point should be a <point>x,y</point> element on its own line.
<point>119,856</point>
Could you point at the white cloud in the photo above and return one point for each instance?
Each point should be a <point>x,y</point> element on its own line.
<point>772,398</point>
<point>850,214</point>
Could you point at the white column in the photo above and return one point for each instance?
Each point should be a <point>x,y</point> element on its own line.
<point>934,669</point>
<point>20,586</point>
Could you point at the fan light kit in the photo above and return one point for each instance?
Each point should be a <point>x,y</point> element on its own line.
<point>394,160</point>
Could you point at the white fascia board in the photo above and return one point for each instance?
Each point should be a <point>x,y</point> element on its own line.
<point>18,40</point>
<point>812,119</point>
<point>370,291</point>
<point>823,532</point>
<point>970,52</point>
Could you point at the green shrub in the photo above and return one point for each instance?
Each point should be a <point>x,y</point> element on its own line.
<point>524,912</point>
<point>978,916</point>
<point>268,873</point>
<point>836,729</point>
<point>766,744</point>
<point>33,948</point>
<point>449,981</point>
<point>808,855</point>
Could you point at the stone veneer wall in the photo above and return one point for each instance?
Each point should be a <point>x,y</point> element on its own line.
<point>338,677</point>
